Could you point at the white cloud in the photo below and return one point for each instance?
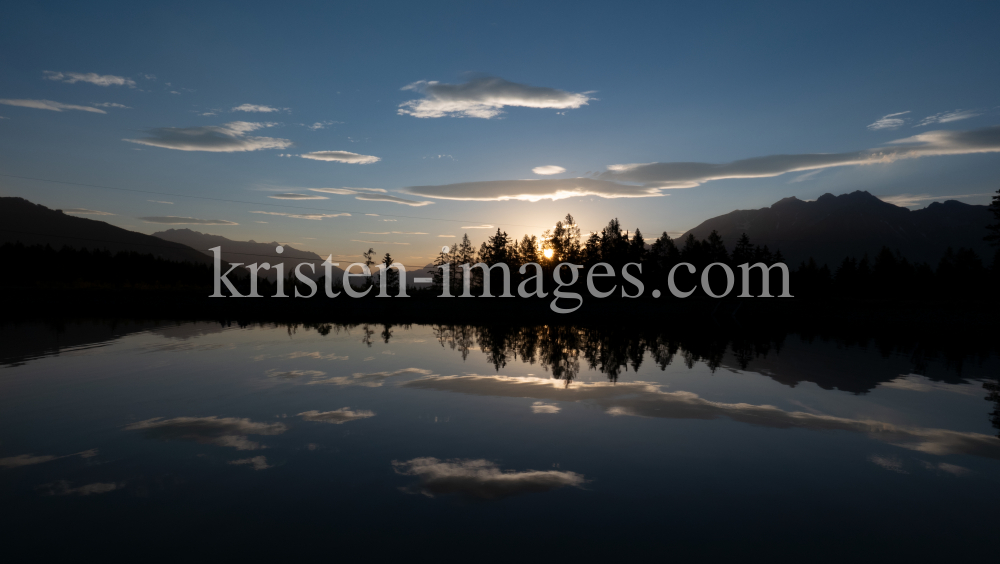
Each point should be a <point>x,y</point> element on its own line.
<point>313,216</point>
<point>484,98</point>
<point>341,157</point>
<point>257,109</point>
<point>160,202</point>
<point>445,235</point>
<point>337,416</point>
<point>891,121</point>
<point>347,191</point>
<point>257,462</point>
<point>219,431</point>
<point>292,196</point>
<point>483,226</point>
<point>946,117</point>
<point>112,105</point>
<point>174,220</point>
<point>640,180</point>
<point>371,195</point>
<point>548,169</point>
<point>393,199</point>
<point>320,125</point>
<point>480,478</point>
<point>227,138</point>
<point>84,211</point>
<point>49,105</point>
<point>90,77</point>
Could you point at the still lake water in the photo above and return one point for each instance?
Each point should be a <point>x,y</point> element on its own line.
<point>200,440</point>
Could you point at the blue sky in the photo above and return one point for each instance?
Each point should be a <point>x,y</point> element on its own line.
<point>580,86</point>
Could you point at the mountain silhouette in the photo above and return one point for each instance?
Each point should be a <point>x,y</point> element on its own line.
<point>248,252</point>
<point>35,224</point>
<point>850,225</point>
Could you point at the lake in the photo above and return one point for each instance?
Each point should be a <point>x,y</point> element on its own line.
<point>194,440</point>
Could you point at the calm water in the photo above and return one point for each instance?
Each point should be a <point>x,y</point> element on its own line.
<point>199,440</point>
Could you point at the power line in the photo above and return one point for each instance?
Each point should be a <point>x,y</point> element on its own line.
<point>255,203</point>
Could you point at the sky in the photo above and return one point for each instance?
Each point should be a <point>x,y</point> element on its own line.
<point>335,127</point>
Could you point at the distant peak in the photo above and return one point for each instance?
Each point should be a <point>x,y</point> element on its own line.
<point>791,200</point>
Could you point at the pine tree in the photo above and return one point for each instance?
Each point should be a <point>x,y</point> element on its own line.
<point>637,247</point>
<point>993,230</point>
<point>716,249</point>
<point>391,275</point>
<point>743,252</point>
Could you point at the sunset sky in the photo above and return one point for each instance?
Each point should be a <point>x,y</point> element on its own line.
<point>341,126</point>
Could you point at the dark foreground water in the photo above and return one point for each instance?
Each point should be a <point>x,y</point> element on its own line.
<point>197,441</point>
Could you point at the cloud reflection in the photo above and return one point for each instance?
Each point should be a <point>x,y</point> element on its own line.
<point>337,416</point>
<point>219,431</point>
<point>480,478</point>
<point>647,400</point>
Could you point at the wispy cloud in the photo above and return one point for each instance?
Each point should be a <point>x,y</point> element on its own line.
<point>312,216</point>
<point>293,196</point>
<point>640,180</point>
<point>112,105</point>
<point>320,125</point>
<point>227,138</point>
<point>484,98</point>
<point>483,226</point>
<point>393,199</point>
<point>84,211</point>
<point>255,108</point>
<point>946,117</point>
<point>890,121</point>
<point>548,169</point>
<point>89,77</point>
<point>371,195</point>
<point>348,191</point>
<point>174,220</point>
<point>49,105</point>
<point>160,202</point>
<point>341,157</point>
<point>805,176</point>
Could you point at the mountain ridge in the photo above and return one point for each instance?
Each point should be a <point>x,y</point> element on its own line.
<point>832,228</point>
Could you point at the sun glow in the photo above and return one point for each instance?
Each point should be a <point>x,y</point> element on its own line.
<point>547,253</point>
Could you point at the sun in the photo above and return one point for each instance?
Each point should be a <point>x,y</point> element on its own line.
<point>547,253</point>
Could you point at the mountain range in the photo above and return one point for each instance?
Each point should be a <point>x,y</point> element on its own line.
<point>827,229</point>
<point>248,252</point>
<point>834,227</point>
<point>35,224</point>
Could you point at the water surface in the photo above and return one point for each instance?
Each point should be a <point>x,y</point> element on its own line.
<point>486,442</point>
